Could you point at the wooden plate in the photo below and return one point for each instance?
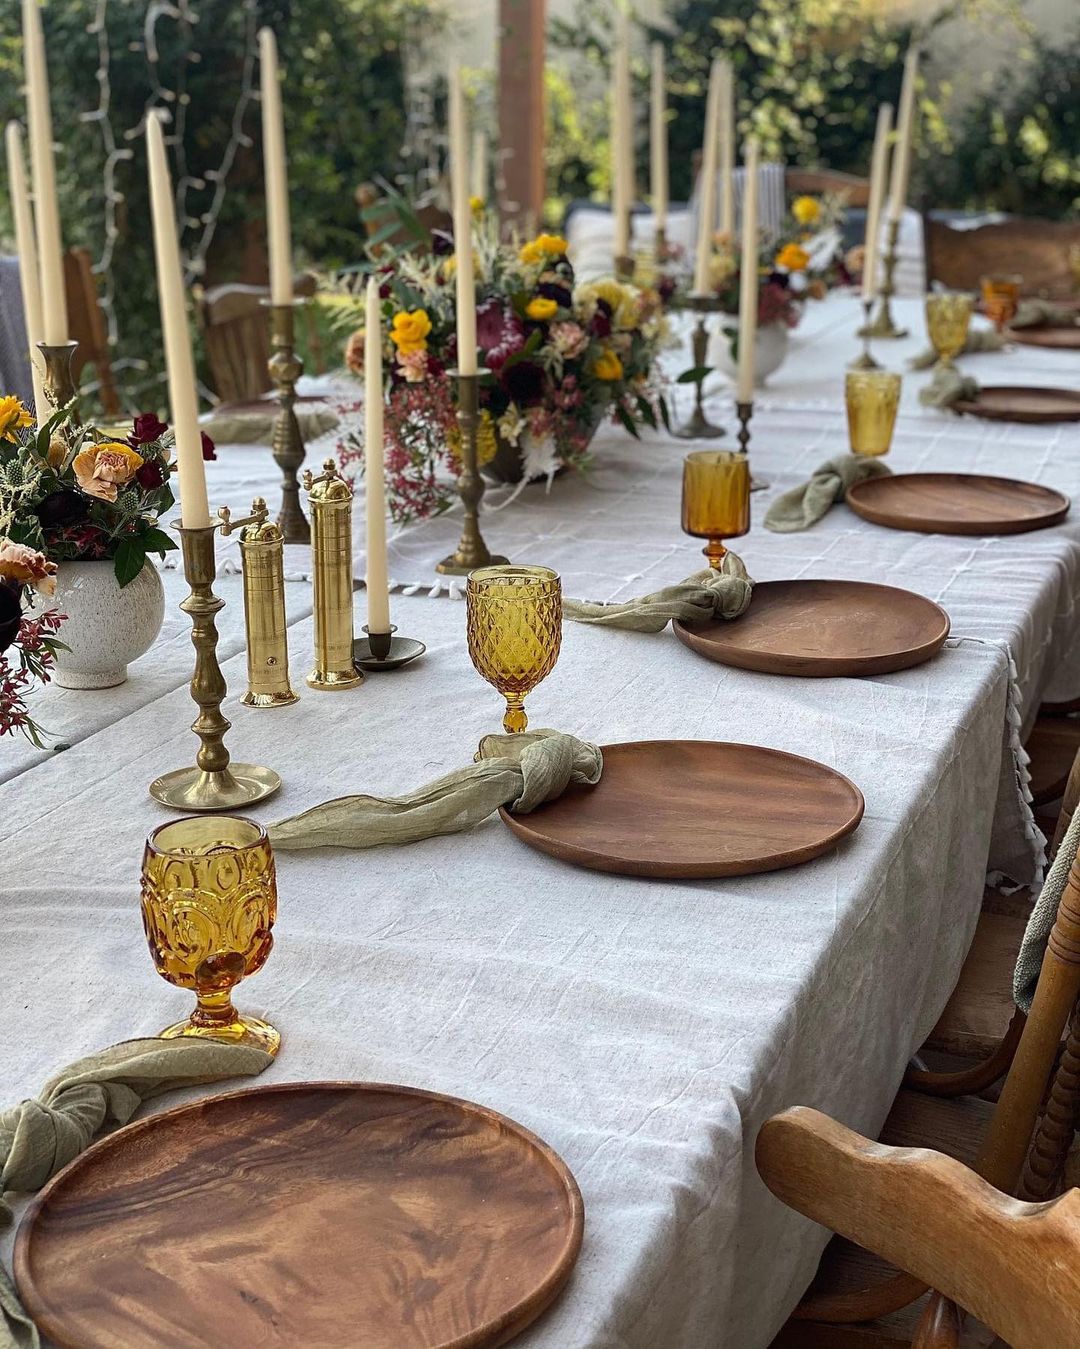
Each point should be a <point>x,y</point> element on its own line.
<point>823,628</point>
<point>326,1213</point>
<point>1018,403</point>
<point>695,808</point>
<point>957,503</point>
<point>1063,339</point>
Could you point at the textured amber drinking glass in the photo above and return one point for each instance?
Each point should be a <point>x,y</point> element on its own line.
<point>514,623</point>
<point>872,397</point>
<point>1001,299</point>
<point>716,498</point>
<point>948,317</point>
<point>209,900</point>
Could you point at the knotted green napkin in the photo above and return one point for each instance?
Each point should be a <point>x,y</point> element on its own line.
<point>1043,313</point>
<point>947,387</point>
<point>518,771</point>
<point>723,593</point>
<point>39,1136</point>
<point>978,339</point>
<point>1037,933</point>
<point>804,506</point>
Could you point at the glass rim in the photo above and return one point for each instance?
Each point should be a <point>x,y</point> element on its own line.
<point>968,295</point>
<point>155,847</point>
<point>715,457</point>
<point>1001,278</point>
<point>510,570</point>
<point>873,377</point>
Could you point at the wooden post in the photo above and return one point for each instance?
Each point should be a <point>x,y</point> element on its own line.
<point>520,171</point>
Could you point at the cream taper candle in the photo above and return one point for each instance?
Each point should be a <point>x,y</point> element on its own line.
<point>748,274</point>
<point>905,132</point>
<point>275,173</point>
<point>26,247</point>
<point>707,180</point>
<point>463,251</point>
<point>54,322</point>
<point>879,163</point>
<point>727,151</point>
<point>658,131</point>
<point>621,137</point>
<point>179,366</point>
<point>480,164</point>
<point>378,588</point>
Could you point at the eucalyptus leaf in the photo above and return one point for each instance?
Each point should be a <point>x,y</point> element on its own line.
<point>694,374</point>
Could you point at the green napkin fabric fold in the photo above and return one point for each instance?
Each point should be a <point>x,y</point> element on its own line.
<point>712,593</point>
<point>517,771</point>
<point>1043,313</point>
<point>804,506</point>
<point>1043,913</point>
<point>947,387</point>
<point>38,1137</point>
<point>978,339</point>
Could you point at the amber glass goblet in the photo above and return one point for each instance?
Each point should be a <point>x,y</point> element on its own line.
<point>948,317</point>
<point>209,900</point>
<point>716,499</point>
<point>1001,299</point>
<point>872,397</point>
<point>514,620</point>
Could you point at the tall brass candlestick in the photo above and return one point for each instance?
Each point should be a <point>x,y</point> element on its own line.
<point>660,245</point>
<point>883,325</point>
<point>865,360</point>
<point>745,411</point>
<point>699,427</point>
<point>330,497</point>
<point>214,783</point>
<point>472,551</point>
<point>287,443</point>
<point>59,381</point>
<point>624,263</point>
<point>262,552</point>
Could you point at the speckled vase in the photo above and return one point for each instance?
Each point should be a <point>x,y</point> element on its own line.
<point>770,348</point>
<point>107,627</point>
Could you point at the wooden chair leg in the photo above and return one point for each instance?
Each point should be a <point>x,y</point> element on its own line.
<point>1057,1128</point>
<point>939,1326</point>
<point>972,1080</point>
<point>861,1304</point>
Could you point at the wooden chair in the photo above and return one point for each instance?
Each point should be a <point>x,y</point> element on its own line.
<point>1035,249</point>
<point>1016,1266</point>
<point>391,227</point>
<point>86,325</point>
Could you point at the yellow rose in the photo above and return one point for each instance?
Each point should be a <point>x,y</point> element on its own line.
<point>541,308</point>
<point>608,367</point>
<point>544,246</point>
<point>793,258</point>
<point>806,210</point>
<point>409,331</point>
<point>100,469</point>
<point>476,205</point>
<point>622,300</point>
<point>13,417</point>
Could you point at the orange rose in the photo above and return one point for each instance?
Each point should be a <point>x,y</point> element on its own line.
<point>100,469</point>
<point>22,564</point>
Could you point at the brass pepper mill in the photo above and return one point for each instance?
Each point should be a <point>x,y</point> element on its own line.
<point>330,499</point>
<point>262,553</point>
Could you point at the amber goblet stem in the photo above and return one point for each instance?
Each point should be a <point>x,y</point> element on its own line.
<point>214,1009</point>
<point>472,551</point>
<point>514,719</point>
<point>699,427</point>
<point>865,360</point>
<point>715,551</point>
<point>287,444</point>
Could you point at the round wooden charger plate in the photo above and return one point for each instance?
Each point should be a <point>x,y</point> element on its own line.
<point>957,503</point>
<point>1063,339</point>
<point>1022,403</point>
<point>325,1213</point>
<point>695,808</point>
<point>823,628</point>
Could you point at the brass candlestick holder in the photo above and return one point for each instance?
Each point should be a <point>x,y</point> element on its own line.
<point>472,551</point>
<point>378,652</point>
<point>287,443</point>
<point>59,381</point>
<point>331,499</point>
<point>660,245</point>
<point>624,262</point>
<point>214,783</point>
<point>883,325</point>
<point>699,427</point>
<point>262,553</point>
<point>745,411</point>
<point>865,360</point>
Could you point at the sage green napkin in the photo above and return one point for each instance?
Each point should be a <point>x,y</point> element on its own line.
<point>804,506</point>
<point>947,387</point>
<point>1039,925</point>
<point>256,426</point>
<point>723,593</point>
<point>39,1136</point>
<point>519,771</point>
<point>978,339</point>
<point>1043,313</point>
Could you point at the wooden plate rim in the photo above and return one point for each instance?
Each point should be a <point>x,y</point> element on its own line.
<point>514,1320</point>
<point>975,529</point>
<point>596,861</point>
<point>819,667</point>
<point>976,407</point>
<point>1029,337</point>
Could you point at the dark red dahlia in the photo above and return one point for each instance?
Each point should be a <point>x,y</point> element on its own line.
<point>147,427</point>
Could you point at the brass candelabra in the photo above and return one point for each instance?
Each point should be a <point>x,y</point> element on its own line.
<point>744,411</point>
<point>472,551</point>
<point>287,443</point>
<point>331,500</point>
<point>214,783</point>
<point>883,325</point>
<point>865,359</point>
<point>698,427</point>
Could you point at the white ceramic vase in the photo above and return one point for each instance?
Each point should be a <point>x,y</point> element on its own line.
<point>107,626</point>
<point>770,349</point>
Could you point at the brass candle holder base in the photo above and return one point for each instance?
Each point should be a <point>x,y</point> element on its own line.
<point>698,427</point>
<point>624,268</point>
<point>287,444</point>
<point>59,382</point>
<point>472,551</point>
<point>382,651</point>
<point>883,325</point>
<point>865,361</point>
<point>214,782</point>
<point>745,411</point>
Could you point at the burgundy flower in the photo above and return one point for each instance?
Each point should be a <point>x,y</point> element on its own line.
<point>551,290</point>
<point>150,476</point>
<point>524,382</point>
<point>499,332</point>
<point>208,450</point>
<point>147,427</point>
<point>601,320</point>
<point>62,508</point>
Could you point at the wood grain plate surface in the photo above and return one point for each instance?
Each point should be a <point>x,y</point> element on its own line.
<point>823,629</point>
<point>1058,339</point>
<point>306,1214</point>
<point>695,808</point>
<point>1022,403</point>
<point>957,503</point>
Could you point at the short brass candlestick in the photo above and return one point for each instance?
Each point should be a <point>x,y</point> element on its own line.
<point>472,551</point>
<point>262,553</point>
<point>883,325</point>
<point>745,411</point>
<point>214,783</point>
<point>865,361</point>
<point>59,381</point>
<point>699,427</point>
<point>331,499</point>
<point>287,443</point>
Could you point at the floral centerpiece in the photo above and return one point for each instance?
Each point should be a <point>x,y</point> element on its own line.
<point>561,358</point>
<point>28,646</point>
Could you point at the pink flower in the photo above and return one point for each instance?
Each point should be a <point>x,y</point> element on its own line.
<point>413,366</point>
<point>27,567</point>
<point>569,339</point>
